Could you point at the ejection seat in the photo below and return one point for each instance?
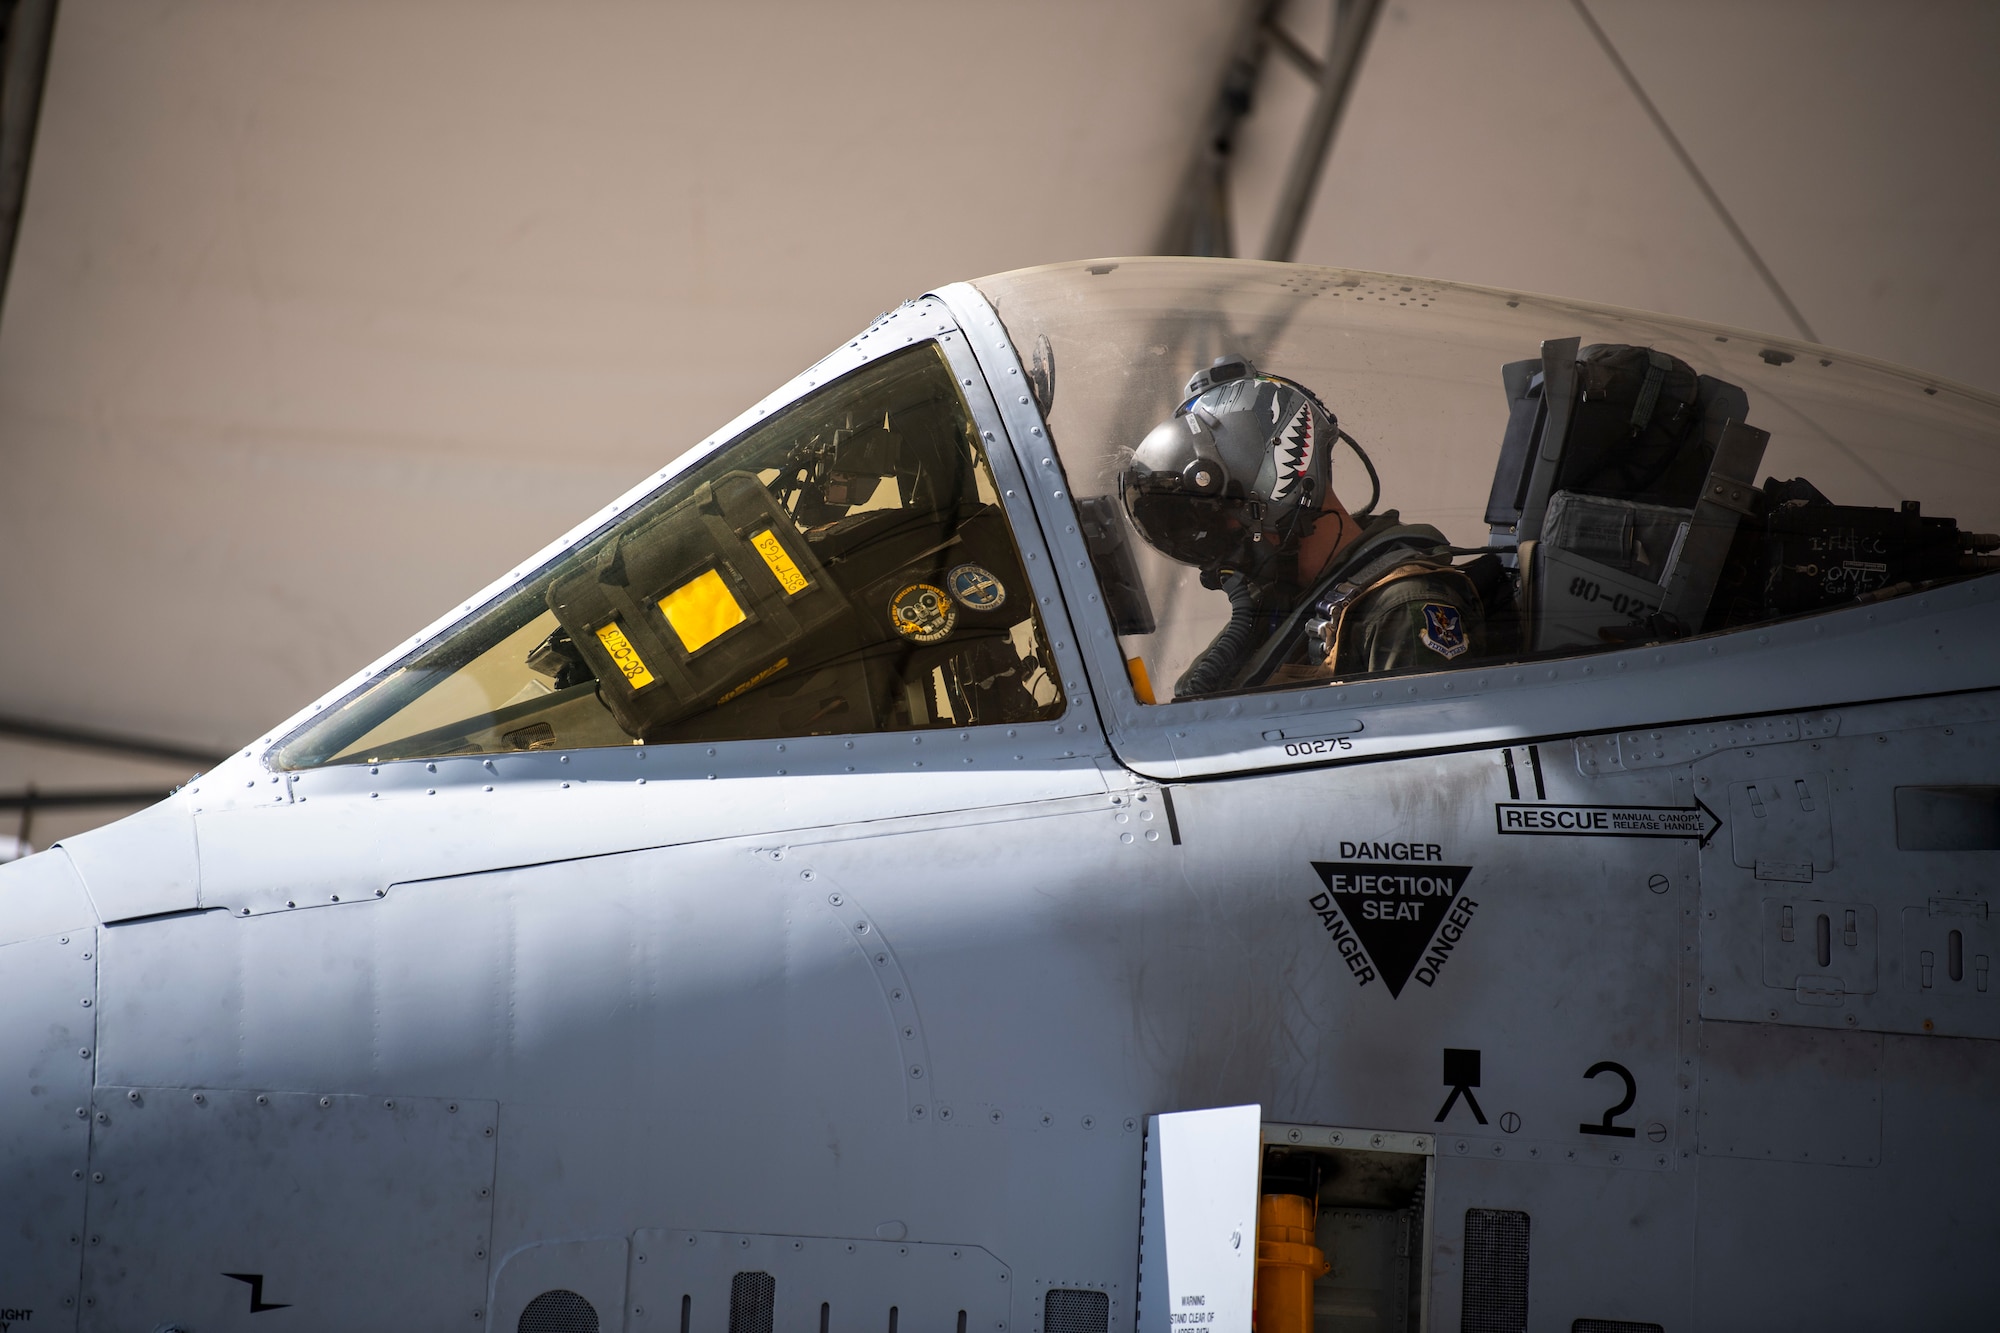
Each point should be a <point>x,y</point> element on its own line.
<point>1610,553</point>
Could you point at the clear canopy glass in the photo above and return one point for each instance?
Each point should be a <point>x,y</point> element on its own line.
<point>1859,479</point>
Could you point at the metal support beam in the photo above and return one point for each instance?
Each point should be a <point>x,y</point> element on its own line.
<point>1353,25</point>
<point>27,28</point>
<point>32,799</point>
<point>1199,221</point>
<point>82,738</point>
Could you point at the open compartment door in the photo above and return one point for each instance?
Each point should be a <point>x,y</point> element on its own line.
<point>1198,1236</point>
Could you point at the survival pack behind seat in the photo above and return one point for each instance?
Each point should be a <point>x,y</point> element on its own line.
<point>1642,427</point>
<point>1622,478</point>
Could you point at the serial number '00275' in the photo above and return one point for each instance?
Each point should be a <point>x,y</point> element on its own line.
<point>1324,745</point>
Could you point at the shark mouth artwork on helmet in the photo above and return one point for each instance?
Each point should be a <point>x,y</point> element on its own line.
<point>1292,453</point>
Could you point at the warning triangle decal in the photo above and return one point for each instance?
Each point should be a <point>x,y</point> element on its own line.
<point>1395,909</point>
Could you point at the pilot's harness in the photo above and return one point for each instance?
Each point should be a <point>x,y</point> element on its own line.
<point>1329,613</point>
<point>1397,551</point>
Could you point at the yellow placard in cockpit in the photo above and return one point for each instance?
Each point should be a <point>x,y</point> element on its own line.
<point>788,575</point>
<point>624,656</point>
<point>701,610</point>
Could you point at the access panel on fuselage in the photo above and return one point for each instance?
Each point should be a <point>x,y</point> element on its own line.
<point>1487,947</point>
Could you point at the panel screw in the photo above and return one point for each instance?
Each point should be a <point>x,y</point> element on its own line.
<point>325,1102</point>
<point>84,1052</point>
<point>263,1100</point>
<point>104,1119</point>
<point>1090,1122</point>
<point>132,1096</point>
<point>1132,1123</point>
<point>97,1177</point>
<point>201,1099</point>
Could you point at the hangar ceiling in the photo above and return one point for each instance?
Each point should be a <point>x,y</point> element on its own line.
<point>320,315</point>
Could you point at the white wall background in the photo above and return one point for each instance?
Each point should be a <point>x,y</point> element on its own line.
<point>322,313</point>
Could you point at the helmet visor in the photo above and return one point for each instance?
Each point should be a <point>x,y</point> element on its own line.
<point>1198,530</point>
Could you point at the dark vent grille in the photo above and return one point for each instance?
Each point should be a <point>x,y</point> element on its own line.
<point>1496,1271</point>
<point>752,1296</point>
<point>558,1311</point>
<point>1065,1310</point>
<point>1613,1326</point>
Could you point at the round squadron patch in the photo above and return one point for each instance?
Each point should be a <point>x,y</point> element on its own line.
<point>923,613</point>
<point>1443,629</point>
<point>975,588</point>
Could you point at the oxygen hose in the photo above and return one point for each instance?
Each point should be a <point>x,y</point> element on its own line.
<point>1219,662</point>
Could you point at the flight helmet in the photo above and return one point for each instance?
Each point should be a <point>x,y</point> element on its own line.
<point>1235,478</point>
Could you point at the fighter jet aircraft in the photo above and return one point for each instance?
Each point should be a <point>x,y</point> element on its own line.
<point>935,859</point>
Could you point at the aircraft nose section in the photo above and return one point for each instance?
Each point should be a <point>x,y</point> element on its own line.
<point>42,895</point>
<point>143,865</point>
<point>47,1047</point>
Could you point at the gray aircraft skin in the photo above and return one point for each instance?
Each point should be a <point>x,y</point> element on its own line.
<point>1616,985</point>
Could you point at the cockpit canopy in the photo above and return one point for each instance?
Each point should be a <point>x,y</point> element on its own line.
<point>1606,478</point>
<point>1599,478</point>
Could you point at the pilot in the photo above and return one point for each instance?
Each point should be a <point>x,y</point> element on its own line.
<point>1237,483</point>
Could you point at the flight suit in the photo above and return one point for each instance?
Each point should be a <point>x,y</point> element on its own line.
<point>1417,615</point>
<point>1391,604</point>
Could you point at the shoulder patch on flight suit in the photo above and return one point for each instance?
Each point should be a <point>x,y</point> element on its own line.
<point>1443,629</point>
